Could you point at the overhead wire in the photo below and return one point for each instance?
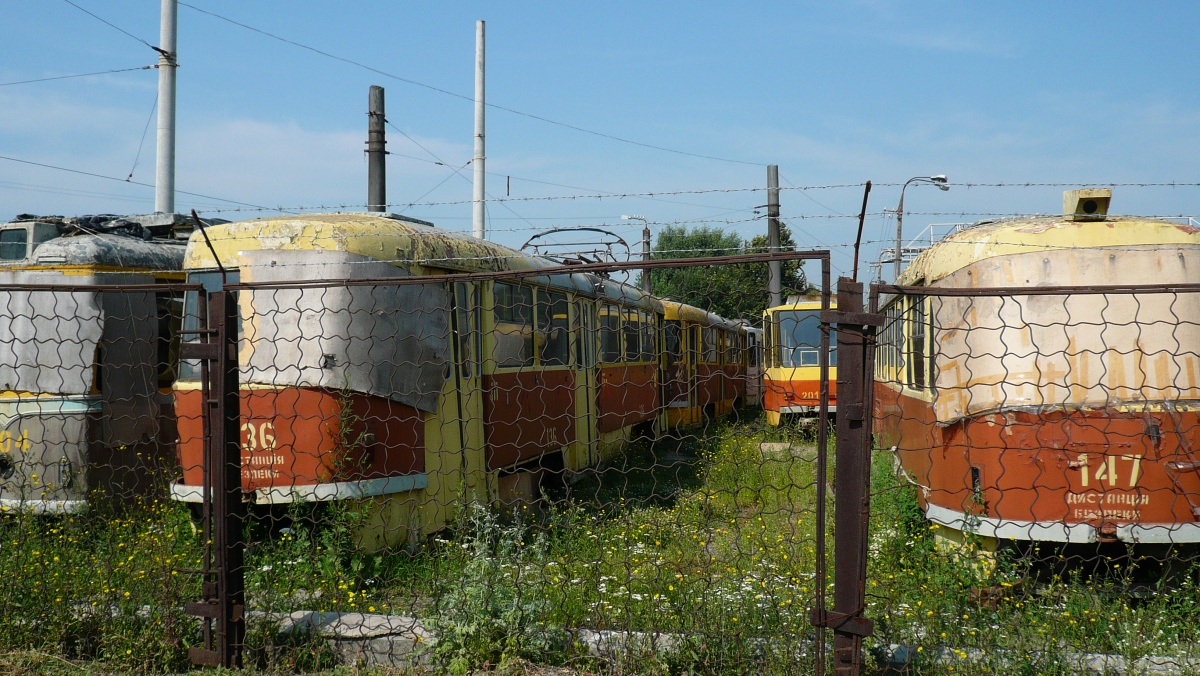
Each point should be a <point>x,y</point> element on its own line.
<point>148,185</point>
<point>464,97</point>
<point>113,26</point>
<point>141,143</point>
<point>68,77</point>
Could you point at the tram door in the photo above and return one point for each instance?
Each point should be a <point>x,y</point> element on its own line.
<point>691,372</point>
<point>586,384</point>
<point>468,313</point>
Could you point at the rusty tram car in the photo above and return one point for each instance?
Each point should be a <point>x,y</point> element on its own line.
<point>1065,418</point>
<point>414,398</point>
<point>792,375</point>
<point>85,376</point>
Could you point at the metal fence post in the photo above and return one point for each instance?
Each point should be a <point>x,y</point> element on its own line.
<point>224,582</point>
<point>851,479</point>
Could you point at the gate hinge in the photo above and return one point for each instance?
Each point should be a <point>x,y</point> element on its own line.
<point>849,624</point>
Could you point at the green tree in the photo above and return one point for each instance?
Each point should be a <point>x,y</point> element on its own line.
<point>732,291</point>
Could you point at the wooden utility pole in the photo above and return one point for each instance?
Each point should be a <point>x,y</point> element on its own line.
<point>775,284</point>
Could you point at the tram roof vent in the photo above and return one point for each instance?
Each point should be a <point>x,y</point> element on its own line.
<point>1089,204</point>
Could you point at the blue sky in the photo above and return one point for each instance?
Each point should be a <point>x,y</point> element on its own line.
<point>832,92</point>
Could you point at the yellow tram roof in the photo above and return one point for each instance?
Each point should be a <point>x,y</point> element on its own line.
<point>390,238</point>
<point>385,238</point>
<point>990,239</point>
<point>673,310</point>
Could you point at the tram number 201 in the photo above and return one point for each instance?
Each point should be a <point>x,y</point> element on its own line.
<point>258,436</point>
<point>1109,469</point>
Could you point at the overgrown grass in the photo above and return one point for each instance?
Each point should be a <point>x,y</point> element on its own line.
<point>690,555</point>
<point>1023,609</point>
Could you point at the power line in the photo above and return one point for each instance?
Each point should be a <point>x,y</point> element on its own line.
<point>447,92</point>
<point>145,129</point>
<point>148,185</point>
<point>114,26</point>
<point>68,77</point>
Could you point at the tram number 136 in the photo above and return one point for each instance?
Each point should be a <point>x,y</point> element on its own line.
<point>1108,469</point>
<point>258,436</point>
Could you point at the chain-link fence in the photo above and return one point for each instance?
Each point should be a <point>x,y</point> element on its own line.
<point>1035,497</point>
<point>506,468</point>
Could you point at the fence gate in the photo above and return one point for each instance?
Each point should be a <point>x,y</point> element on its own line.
<point>222,509</point>
<point>852,480</point>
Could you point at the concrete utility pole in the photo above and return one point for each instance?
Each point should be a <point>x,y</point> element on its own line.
<point>477,225</point>
<point>775,283</point>
<point>376,152</point>
<point>164,171</point>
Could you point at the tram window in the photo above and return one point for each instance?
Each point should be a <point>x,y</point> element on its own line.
<point>800,339</point>
<point>649,347</point>
<point>13,244</point>
<point>771,342</point>
<point>554,334</point>
<point>916,343</point>
<point>513,333</point>
<point>629,322</point>
<point>710,345</point>
<point>466,306</point>
<point>585,315</point>
<point>673,336</point>
<point>610,334</point>
<point>731,348</point>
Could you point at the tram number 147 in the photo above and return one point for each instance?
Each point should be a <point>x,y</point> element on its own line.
<point>1108,469</point>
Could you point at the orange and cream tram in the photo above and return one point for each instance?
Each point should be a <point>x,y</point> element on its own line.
<point>1068,417</point>
<point>416,397</point>
<point>792,374</point>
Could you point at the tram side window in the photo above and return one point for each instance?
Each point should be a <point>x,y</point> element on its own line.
<point>731,348</point>
<point>710,345</point>
<point>466,302</point>
<point>13,244</point>
<point>513,332</point>
<point>917,369</point>
<point>751,350</point>
<point>771,342</point>
<point>610,334</point>
<point>673,334</point>
<point>649,333</point>
<point>553,329</point>
<point>629,322</point>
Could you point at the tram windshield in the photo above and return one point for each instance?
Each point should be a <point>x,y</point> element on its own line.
<point>800,338</point>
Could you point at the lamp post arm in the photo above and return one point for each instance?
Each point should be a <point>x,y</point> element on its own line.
<point>899,255</point>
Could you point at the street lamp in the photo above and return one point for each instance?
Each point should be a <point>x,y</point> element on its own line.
<point>645,248</point>
<point>942,184</point>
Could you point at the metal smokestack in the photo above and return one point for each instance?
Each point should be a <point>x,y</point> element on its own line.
<point>376,152</point>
